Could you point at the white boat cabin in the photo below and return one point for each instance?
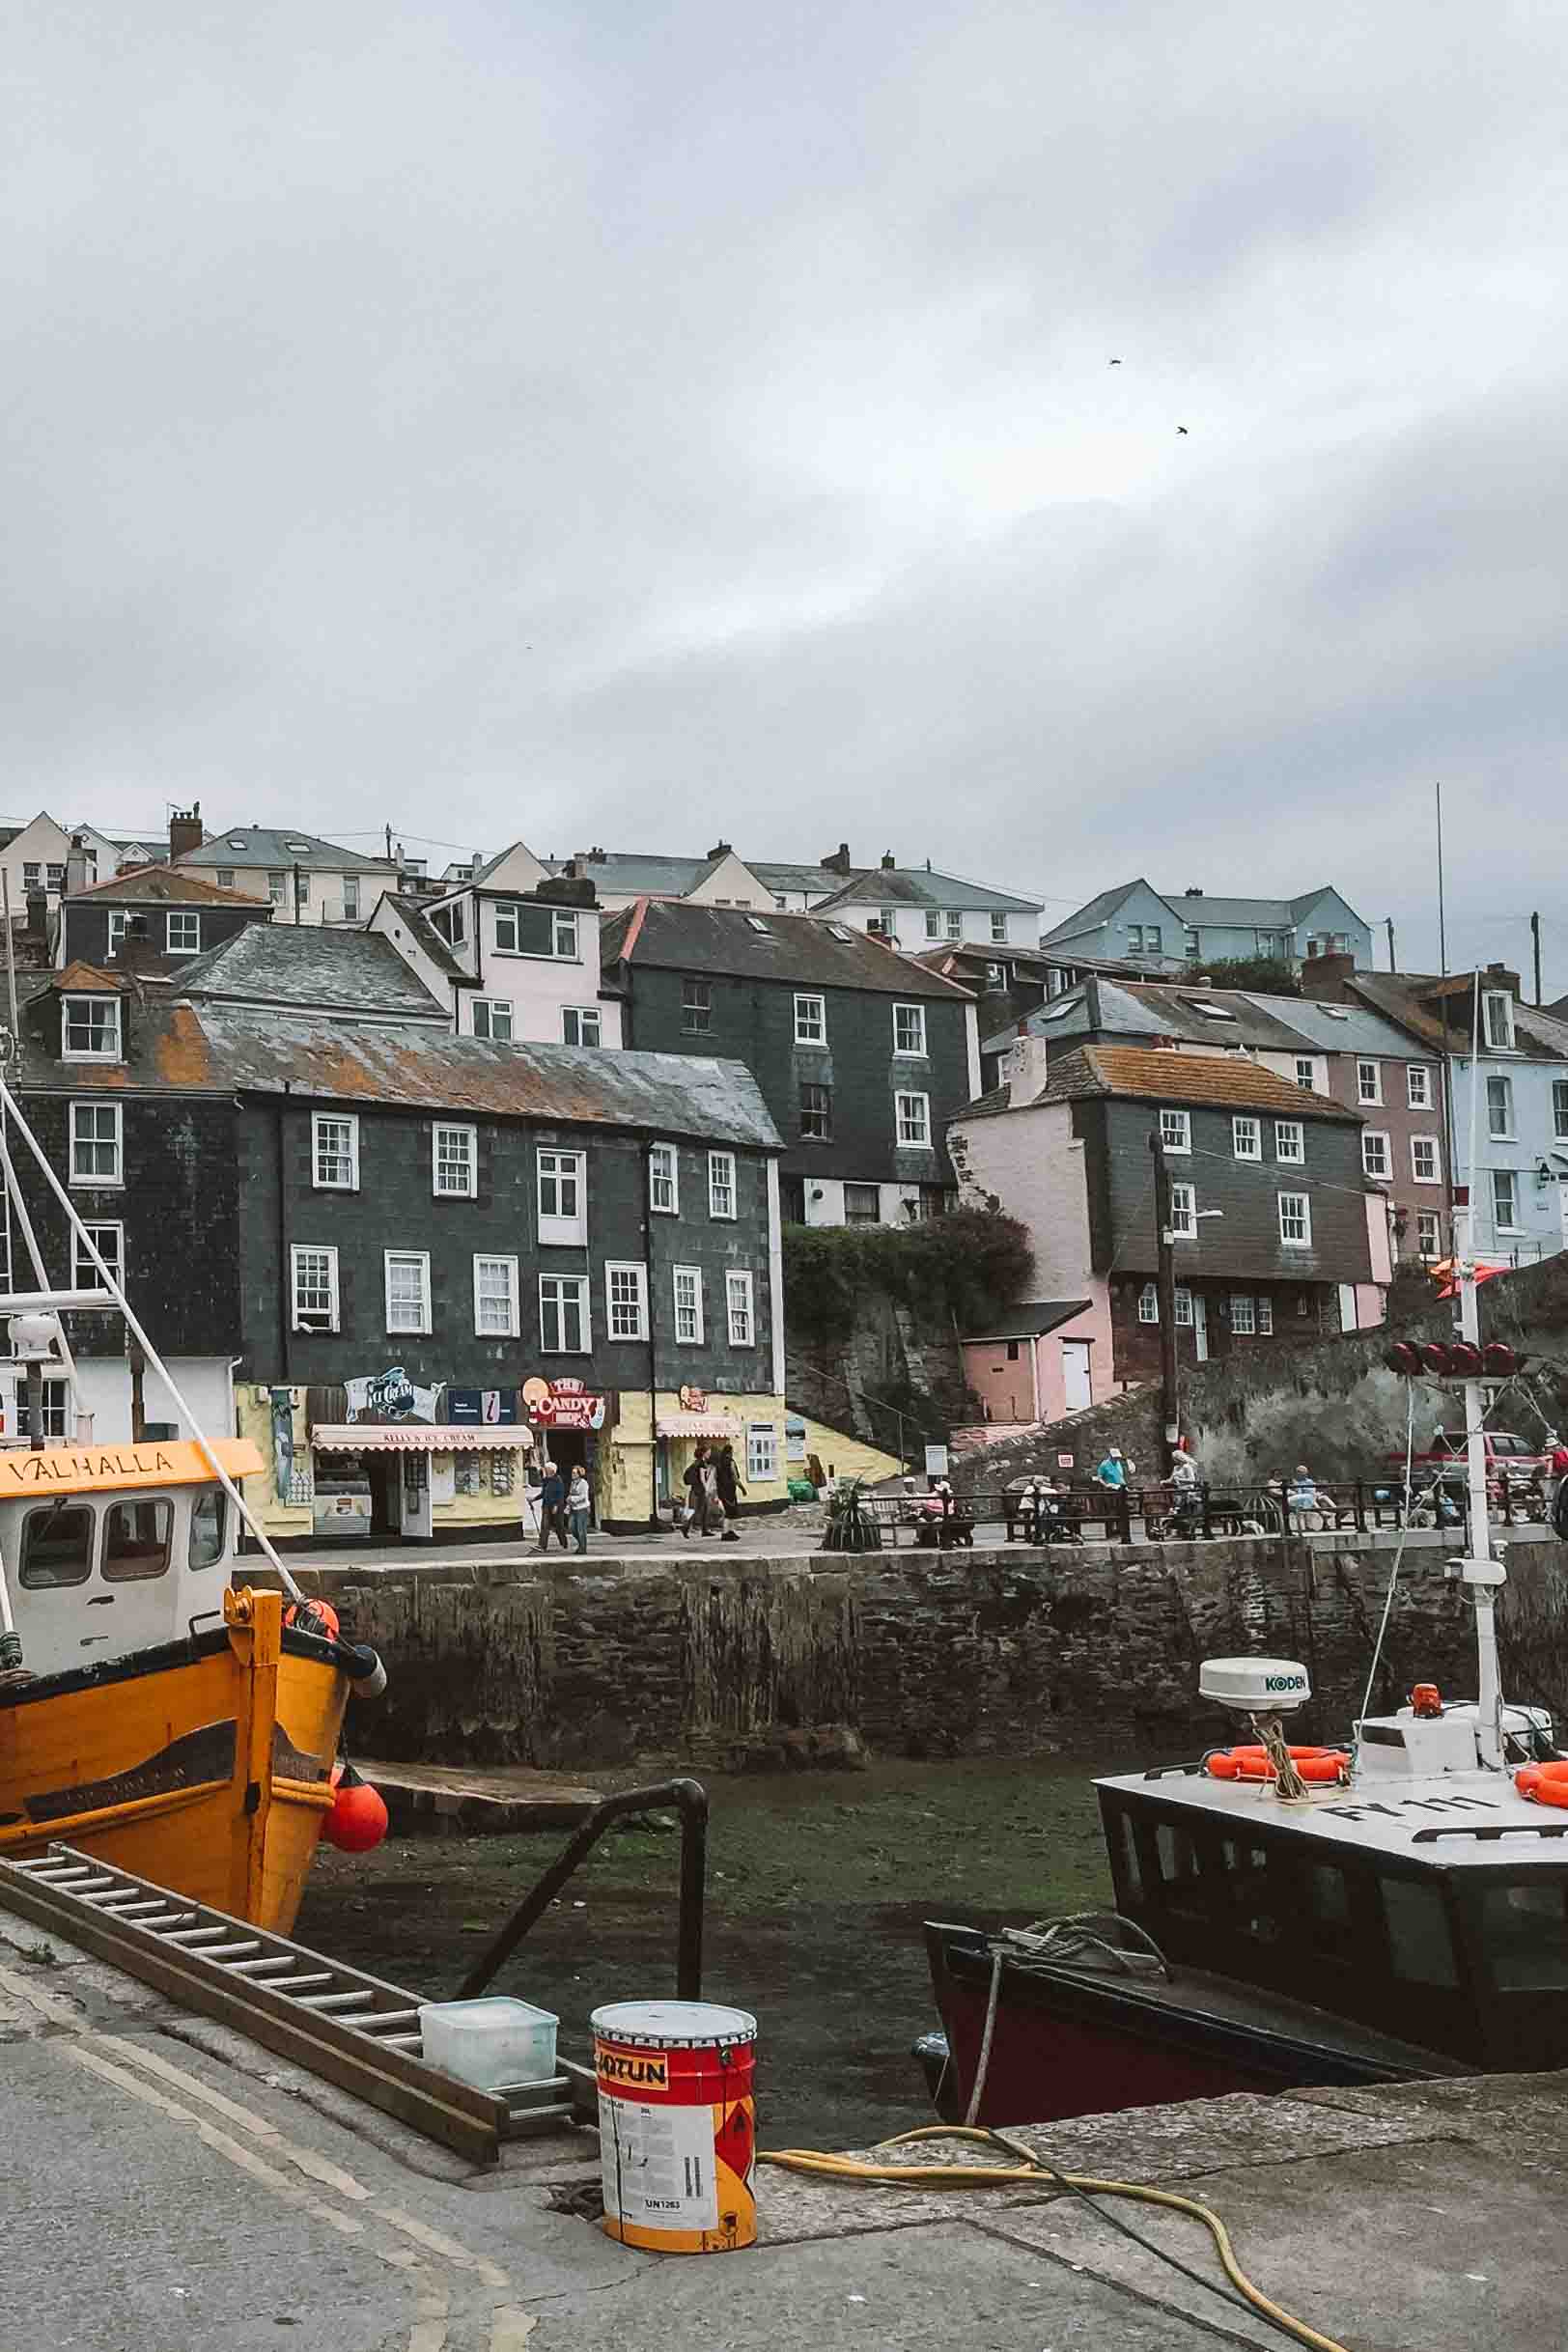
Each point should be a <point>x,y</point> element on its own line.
<point>111,1549</point>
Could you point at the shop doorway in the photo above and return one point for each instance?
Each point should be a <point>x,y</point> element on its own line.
<point>382,1476</point>
<point>572,1450</point>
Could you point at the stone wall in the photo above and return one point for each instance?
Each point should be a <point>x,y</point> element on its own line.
<point>1004,1652</point>
<point>1334,1405</point>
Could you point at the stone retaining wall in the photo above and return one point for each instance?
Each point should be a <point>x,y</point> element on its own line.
<point>1001,1652</point>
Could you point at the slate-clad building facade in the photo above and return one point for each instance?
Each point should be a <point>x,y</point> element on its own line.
<point>169,916</point>
<point>862,1055</point>
<point>454,1258</point>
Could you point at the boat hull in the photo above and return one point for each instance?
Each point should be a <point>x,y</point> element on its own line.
<point>205,1766</point>
<point>1066,2042</point>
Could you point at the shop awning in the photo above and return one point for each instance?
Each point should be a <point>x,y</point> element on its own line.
<point>698,1425</point>
<point>422,1437</point>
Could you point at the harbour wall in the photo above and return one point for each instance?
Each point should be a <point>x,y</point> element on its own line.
<point>773,1661</point>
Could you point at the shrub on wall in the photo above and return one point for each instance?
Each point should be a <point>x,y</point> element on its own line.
<point>1261,973</point>
<point>955,1269</point>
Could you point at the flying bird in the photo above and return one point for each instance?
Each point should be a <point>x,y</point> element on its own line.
<point>1113,363</point>
<point>1181,428</point>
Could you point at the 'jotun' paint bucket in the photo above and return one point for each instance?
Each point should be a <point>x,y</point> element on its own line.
<point>677,2126</point>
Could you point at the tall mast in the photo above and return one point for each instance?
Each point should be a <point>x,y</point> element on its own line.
<point>1480,1573</point>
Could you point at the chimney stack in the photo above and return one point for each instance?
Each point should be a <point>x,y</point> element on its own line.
<point>1023,1067</point>
<point>889,863</point>
<point>1327,976</point>
<point>36,925</point>
<point>720,849</point>
<point>839,862</point>
<point>75,866</point>
<point>137,952</point>
<point>186,831</point>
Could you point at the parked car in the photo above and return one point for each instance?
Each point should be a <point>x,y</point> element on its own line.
<point>1511,1463</point>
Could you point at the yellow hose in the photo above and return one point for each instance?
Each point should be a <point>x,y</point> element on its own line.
<point>823,2167</point>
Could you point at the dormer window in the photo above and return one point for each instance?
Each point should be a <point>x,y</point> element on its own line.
<point>92,1030</point>
<point>1498,1019</point>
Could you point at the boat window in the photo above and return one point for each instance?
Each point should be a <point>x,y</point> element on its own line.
<point>207,1526</point>
<point>1524,1934</point>
<point>1180,1871</point>
<point>1258,1896</point>
<point>56,1546</point>
<point>1124,1850</point>
<point>1421,1946</point>
<point>136,1539</point>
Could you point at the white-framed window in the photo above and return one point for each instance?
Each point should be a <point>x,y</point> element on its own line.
<point>761,1453</point>
<point>1504,1200</point>
<point>909,1028</point>
<point>1499,1107</point>
<point>1176,1130</point>
<point>492,1018</point>
<point>303,889</point>
<point>913,1114</point>
<point>811,1021</point>
<point>334,1151</point>
<point>995,975</point>
<point>1184,1308</point>
<point>1295,1220</point>
<point>408,1290</point>
<point>953,922</point>
<point>862,1204</point>
<point>563,1196</point>
<point>184,935</point>
<point>688,1306</point>
<point>1149,1303</point>
<point>553,934</point>
<point>934,923</point>
<point>740,1305</point>
<point>1369,1081</point>
<point>225,878</point>
<point>119,918</point>
<point>696,1006</point>
<point>276,887</point>
<point>1376,1158</point>
<point>581,1025</point>
<point>563,1315</point>
<point>32,873</point>
<point>1306,1075</point>
<point>1290,1142</point>
<point>1183,1211</point>
<point>664,1179</point>
<point>109,1241</point>
<point>1246,1138</point>
<point>1428,1233</point>
<point>625,1299</point>
<point>455,1163</point>
<point>1419,1086</point>
<point>1559,1109</point>
<point>314,1280</point>
<point>721,1184</point>
<point>496,1298</point>
<point>1243,1321</point>
<point>1265,1318</point>
<point>1498,1019</point>
<point>350,898</point>
<point>1424,1164</point>
<point>999,929</point>
<point>98,1144</point>
<point>92,1030</point>
<point>816,1112</point>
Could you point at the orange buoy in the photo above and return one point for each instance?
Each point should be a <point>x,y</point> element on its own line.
<point>1317,1765</point>
<point>357,1820</point>
<point>1544,1784</point>
<point>318,1617</point>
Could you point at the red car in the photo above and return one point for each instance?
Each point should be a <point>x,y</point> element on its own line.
<point>1508,1457</point>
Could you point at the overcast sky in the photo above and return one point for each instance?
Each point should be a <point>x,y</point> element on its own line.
<point>621,425</point>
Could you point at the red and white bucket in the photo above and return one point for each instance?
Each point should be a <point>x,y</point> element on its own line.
<point>677,2124</point>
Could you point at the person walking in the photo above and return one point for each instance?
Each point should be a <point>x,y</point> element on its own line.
<point>695,1482</point>
<point>551,1507</point>
<point>577,1506</point>
<point>727,1480</point>
<point>1301,1498</point>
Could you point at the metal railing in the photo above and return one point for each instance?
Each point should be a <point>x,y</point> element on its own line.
<point>691,1801</point>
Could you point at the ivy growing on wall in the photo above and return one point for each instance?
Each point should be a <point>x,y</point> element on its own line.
<point>958,1270</point>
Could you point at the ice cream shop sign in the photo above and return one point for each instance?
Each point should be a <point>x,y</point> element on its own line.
<point>563,1404</point>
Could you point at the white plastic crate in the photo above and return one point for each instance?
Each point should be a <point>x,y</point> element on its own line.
<point>491,2043</point>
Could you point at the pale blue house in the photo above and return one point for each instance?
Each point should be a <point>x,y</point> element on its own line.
<point>1164,931</point>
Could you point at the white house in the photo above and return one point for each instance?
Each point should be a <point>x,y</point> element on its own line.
<point>514,953</point>
<point>303,879</point>
<point>34,857</point>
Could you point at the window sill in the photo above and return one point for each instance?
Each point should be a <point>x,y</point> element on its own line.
<point>98,1183</point>
<point>334,1188</point>
<point>1426,1179</point>
<point>437,1194</point>
<point>407,1331</point>
<point>524,955</point>
<point>575,1239</point>
<point>107,1061</point>
<point>512,1331</point>
<point>722,1216</point>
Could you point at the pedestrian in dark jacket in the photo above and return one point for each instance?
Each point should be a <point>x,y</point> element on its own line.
<point>697,1481</point>
<point>727,1478</point>
<point>551,1507</point>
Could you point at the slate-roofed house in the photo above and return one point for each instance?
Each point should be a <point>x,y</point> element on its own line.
<point>512,951</point>
<point>353,976</point>
<point>304,879</point>
<point>1164,931</point>
<point>1277,1233</point>
<point>177,915</point>
<point>861,1054</point>
<point>453,1253</point>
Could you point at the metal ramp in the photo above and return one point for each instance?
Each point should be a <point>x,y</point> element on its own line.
<point>353,2030</point>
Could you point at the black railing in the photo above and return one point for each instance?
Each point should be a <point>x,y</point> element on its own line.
<point>691,1801</point>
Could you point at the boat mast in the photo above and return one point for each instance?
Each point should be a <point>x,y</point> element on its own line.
<point>1479,1571</point>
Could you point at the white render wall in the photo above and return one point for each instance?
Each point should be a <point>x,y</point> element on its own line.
<point>104,1385</point>
<point>539,988</point>
<point>824,1200</point>
<point>910,931</point>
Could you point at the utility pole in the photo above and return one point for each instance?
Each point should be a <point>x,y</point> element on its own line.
<point>1536,948</point>
<point>1394,960</point>
<point>1165,1287</point>
<point>389,845</point>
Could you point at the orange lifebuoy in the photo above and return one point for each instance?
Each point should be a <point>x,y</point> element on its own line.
<point>1317,1765</point>
<point>1544,1784</point>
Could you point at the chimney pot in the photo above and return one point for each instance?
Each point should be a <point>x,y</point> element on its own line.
<point>1193,891</point>
<point>186,831</point>
<point>720,849</point>
<point>889,863</point>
